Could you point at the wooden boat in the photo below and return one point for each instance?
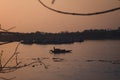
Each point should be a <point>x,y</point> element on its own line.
<point>57,51</point>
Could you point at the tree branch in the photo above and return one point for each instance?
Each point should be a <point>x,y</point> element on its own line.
<point>79,14</point>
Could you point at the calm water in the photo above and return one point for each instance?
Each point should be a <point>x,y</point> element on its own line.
<point>89,60</point>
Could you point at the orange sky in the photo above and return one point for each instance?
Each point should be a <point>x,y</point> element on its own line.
<point>30,16</point>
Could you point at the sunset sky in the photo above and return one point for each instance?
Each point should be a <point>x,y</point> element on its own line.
<point>31,16</point>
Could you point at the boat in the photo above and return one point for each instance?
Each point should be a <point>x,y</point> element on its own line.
<point>57,51</point>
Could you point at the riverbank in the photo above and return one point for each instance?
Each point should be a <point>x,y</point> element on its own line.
<point>59,38</point>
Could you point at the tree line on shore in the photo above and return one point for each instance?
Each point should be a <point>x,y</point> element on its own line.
<point>60,38</point>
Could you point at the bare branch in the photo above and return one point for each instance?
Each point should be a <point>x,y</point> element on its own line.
<point>12,55</point>
<point>11,28</point>
<point>7,78</point>
<point>79,14</point>
<point>6,30</point>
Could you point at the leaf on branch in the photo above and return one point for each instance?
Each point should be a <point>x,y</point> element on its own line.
<point>53,1</point>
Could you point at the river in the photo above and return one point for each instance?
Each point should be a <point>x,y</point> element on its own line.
<point>89,60</point>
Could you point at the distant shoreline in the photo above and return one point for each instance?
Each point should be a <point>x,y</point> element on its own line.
<point>60,38</point>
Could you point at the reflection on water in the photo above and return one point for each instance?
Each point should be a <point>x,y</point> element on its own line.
<point>90,60</point>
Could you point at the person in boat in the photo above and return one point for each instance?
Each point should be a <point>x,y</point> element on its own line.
<point>55,49</point>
